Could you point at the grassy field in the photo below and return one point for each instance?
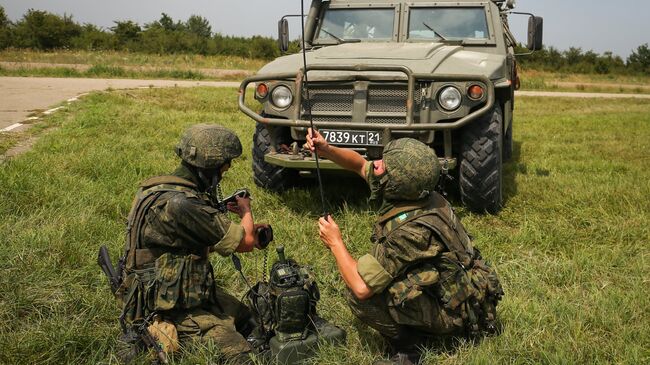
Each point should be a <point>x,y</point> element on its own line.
<point>107,64</point>
<point>571,245</point>
<point>115,58</point>
<point>554,81</point>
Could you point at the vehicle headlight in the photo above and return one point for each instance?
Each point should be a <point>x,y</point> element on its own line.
<point>449,98</point>
<point>281,97</point>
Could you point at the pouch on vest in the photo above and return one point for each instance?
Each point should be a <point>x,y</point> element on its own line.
<point>455,286</point>
<point>413,284</point>
<point>183,282</point>
<point>407,304</point>
<point>138,292</point>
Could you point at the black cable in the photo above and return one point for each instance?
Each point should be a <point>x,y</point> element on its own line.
<point>305,82</point>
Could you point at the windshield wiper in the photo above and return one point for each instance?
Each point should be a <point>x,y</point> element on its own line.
<point>340,40</point>
<point>434,31</point>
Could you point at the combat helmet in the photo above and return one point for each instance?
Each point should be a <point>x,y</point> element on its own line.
<point>412,168</point>
<point>208,146</point>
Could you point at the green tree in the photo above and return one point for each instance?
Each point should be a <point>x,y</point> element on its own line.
<point>4,20</point>
<point>573,55</point>
<point>126,33</point>
<point>199,26</point>
<point>639,60</point>
<point>43,30</point>
<point>5,29</point>
<point>93,38</point>
<point>263,47</point>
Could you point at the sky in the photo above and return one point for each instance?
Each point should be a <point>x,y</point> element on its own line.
<point>619,26</point>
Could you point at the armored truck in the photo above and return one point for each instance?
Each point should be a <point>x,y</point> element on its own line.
<point>442,72</point>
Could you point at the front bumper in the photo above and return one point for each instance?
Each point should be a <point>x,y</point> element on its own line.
<point>363,73</point>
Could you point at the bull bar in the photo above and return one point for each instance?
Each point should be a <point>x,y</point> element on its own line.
<point>411,77</point>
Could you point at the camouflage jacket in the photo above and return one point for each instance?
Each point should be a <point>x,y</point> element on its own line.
<point>171,228</point>
<point>422,248</point>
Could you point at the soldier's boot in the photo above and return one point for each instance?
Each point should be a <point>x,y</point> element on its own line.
<point>403,349</point>
<point>129,348</point>
<point>246,327</point>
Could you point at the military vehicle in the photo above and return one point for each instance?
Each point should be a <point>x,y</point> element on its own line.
<point>443,72</point>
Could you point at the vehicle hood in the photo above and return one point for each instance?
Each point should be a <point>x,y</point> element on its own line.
<point>419,57</point>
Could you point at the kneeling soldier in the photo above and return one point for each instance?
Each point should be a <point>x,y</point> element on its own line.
<point>173,224</point>
<point>422,277</point>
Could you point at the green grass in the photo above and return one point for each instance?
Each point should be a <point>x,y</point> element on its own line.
<point>571,245</point>
<point>106,64</point>
<point>100,71</point>
<point>550,81</point>
<point>120,58</point>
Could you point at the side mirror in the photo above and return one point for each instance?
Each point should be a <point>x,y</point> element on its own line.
<point>535,33</point>
<point>283,35</point>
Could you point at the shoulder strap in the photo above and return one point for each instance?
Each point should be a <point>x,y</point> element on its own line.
<point>167,180</point>
<point>150,190</point>
<point>449,232</point>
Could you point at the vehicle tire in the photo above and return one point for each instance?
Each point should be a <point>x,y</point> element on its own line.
<point>481,163</point>
<point>507,143</point>
<point>265,175</point>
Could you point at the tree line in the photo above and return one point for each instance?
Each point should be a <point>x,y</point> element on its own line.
<point>575,60</point>
<point>43,30</point>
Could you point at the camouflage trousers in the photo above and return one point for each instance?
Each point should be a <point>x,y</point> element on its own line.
<point>224,324</point>
<point>408,326</point>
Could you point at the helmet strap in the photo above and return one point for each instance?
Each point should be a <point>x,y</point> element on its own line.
<point>210,180</point>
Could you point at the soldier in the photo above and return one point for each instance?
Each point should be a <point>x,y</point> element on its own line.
<point>422,277</point>
<point>172,226</point>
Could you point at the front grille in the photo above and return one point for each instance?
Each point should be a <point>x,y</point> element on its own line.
<point>387,99</point>
<point>331,99</point>
<point>335,102</point>
<point>333,119</point>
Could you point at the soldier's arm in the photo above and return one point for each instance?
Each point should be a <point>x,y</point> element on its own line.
<point>331,236</point>
<point>189,221</point>
<point>249,239</point>
<point>346,158</point>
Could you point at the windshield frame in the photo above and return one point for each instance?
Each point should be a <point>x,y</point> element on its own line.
<point>404,31</point>
<point>316,41</point>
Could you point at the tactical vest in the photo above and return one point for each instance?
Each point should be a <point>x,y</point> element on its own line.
<point>159,279</point>
<point>458,278</point>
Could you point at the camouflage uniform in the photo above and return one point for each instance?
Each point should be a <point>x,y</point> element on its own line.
<point>425,276</point>
<point>172,227</point>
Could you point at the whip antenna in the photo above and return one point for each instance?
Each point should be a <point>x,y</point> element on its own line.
<point>305,86</point>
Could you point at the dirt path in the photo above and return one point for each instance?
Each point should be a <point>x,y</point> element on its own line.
<point>604,85</point>
<point>22,96</point>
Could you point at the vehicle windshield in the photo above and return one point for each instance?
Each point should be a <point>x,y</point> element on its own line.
<point>357,24</point>
<point>448,24</point>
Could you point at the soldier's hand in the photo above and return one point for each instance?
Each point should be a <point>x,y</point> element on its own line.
<point>329,232</point>
<point>233,207</point>
<point>243,206</point>
<point>315,140</point>
<point>257,237</point>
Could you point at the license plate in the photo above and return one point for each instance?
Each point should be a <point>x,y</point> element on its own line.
<point>351,138</point>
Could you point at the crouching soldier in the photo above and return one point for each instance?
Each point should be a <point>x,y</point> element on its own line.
<point>173,225</point>
<point>422,277</point>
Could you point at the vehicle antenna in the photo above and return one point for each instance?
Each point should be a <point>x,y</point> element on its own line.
<point>305,83</point>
